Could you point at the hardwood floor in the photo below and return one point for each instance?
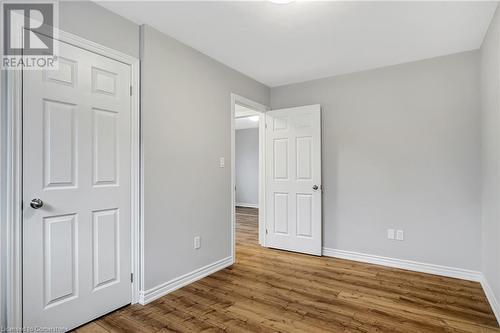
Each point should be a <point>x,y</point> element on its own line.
<point>275,291</point>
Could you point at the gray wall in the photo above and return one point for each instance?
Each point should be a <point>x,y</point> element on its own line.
<point>93,22</point>
<point>401,149</point>
<point>247,166</point>
<point>490,89</point>
<point>186,119</point>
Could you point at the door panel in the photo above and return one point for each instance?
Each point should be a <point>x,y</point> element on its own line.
<point>293,163</point>
<point>76,159</point>
<point>59,137</point>
<point>304,158</point>
<point>304,214</point>
<point>106,240</point>
<point>280,159</point>
<point>105,154</point>
<point>60,259</point>
<point>281,213</point>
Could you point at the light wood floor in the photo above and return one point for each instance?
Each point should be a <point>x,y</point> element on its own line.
<point>276,291</point>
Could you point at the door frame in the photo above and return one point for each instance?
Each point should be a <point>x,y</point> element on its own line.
<point>13,200</point>
<point>262,109</point>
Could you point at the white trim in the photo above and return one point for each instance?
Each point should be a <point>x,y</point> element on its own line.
<point>233,178</point>
<point>262,178</point>
<point>179,282</point>
<point>141,274</point>
<point>3,185</point>
<point>490,295</point>
<point>262,109</point>
<point>14,176</point>
<point>97,48</point>
<point>453,272</point>
<point>13,213</point>
<point>246,113</point>
<point>248,205</point>
<point>136,179</point>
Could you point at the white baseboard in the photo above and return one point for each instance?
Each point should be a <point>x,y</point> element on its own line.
<point>453,272</point>
<point>495,306</point>
<point>249,205</point>
<point>174,284</point>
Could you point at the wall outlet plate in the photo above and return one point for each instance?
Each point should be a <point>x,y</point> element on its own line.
<point>390,233</point>
<point>197,242</point>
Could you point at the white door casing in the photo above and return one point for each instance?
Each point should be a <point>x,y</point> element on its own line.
<point>77,160</point>
<point>262,109</point>
<point>293,171</point>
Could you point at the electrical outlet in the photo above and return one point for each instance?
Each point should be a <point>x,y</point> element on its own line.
<point>197,242</point>
<point>390,233</point>
<point>400,235</point>
<point>222,162</point>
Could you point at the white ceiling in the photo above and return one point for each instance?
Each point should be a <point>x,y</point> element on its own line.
<point>243,111</point>
<point>244,123</point>
<point>300,41</point>
<point>242,116</point>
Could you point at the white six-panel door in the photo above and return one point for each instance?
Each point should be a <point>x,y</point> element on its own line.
<point>293,179</point>
<point>77,160</point>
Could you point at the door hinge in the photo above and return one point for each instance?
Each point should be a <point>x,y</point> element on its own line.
<point>131,277</point>
<point>22,204</point>
<point>130,90</point>
<point>266,231</point>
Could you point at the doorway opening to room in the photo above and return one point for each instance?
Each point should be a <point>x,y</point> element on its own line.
<point>276,177</point>
<point>247,171</point>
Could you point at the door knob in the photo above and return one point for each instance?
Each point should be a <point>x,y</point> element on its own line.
<point>315,187</point>
<point>36,203</point>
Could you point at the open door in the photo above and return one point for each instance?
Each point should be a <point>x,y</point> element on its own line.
<point>293,179</point>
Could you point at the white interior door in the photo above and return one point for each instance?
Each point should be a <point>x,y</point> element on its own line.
<point>293,179</point>
<point>77,160</point>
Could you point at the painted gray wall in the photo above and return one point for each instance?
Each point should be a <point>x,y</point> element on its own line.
<point>186,110</point>
<point>93,22</point>
<point>401,149</point>
<point>490,89</point>
<point>247,166</point>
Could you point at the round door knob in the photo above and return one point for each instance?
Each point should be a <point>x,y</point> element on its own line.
<point>315,187</point>
<point>36,203</point>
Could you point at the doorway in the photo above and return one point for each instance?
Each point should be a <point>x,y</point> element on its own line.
<point>289,174</point>
<point>247,164</point>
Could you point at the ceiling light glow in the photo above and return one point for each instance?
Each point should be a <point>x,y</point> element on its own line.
<point>254,118</point>
<point>281,2</point>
